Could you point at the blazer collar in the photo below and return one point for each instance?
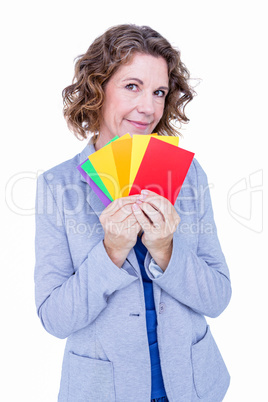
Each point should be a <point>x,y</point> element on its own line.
<point>88,150</point>
<point>92,199</point>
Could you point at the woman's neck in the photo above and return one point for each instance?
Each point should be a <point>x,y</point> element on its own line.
<point>102,139</point>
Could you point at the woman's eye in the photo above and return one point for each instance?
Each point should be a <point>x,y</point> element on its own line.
<point>132,87</point>
<point>160,93</point>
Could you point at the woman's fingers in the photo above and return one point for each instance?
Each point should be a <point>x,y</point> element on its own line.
<point>119,203</point>
<point>120,227</point>
<point>161,204</point>
<point>142,219</point>
<point>158,202</point>
<point>154,216</point>
<point>117,212</point>
<point>123,213</point>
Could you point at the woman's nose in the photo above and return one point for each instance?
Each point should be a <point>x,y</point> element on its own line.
<point>146,104</point>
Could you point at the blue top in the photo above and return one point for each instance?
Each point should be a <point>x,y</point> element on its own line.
<point>158,389</point>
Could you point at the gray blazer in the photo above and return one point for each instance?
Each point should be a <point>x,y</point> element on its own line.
<point>82,296</point>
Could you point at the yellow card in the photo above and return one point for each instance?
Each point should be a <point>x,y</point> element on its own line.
<point>139,145</point>
<point>169,139</point>
<point>103,162</point>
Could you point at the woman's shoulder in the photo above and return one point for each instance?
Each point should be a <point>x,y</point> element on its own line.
<point>196,174</point>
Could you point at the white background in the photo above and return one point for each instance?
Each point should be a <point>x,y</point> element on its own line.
<point>223,43</point>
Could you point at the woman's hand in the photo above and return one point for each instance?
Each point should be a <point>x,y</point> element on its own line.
<point>159,220</point>
<point>120,228</point>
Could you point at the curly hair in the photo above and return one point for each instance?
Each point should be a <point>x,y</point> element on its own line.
<point>83,99</point>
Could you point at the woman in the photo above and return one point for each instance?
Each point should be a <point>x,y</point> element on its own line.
<point>129,285</point>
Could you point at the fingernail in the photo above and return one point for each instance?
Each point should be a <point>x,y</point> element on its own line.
<point>145,192</point>
<point>143,195</point>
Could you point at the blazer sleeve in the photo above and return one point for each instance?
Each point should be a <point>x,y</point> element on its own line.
<point>67,299</point>
<point>198,276</point>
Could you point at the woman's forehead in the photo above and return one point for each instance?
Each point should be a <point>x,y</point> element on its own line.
<point>144,65</point>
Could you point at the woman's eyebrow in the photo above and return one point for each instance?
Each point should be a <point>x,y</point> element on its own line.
<point>134,79</point>
<point>166,88</point>
<point>141,82</point>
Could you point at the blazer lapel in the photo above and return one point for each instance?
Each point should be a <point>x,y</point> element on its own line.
<point>94,202</point>
<point>132,259</point>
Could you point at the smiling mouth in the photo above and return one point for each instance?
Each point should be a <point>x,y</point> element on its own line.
<point>139,124</point>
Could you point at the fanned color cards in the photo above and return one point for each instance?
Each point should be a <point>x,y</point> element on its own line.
<point>127,165</point>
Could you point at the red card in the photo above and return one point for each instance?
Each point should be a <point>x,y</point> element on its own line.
<point>162,170</point>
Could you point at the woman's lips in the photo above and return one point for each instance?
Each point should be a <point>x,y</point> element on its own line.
<point>139,124</point>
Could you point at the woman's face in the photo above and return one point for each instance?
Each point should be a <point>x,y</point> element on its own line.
<point>134,97</point>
